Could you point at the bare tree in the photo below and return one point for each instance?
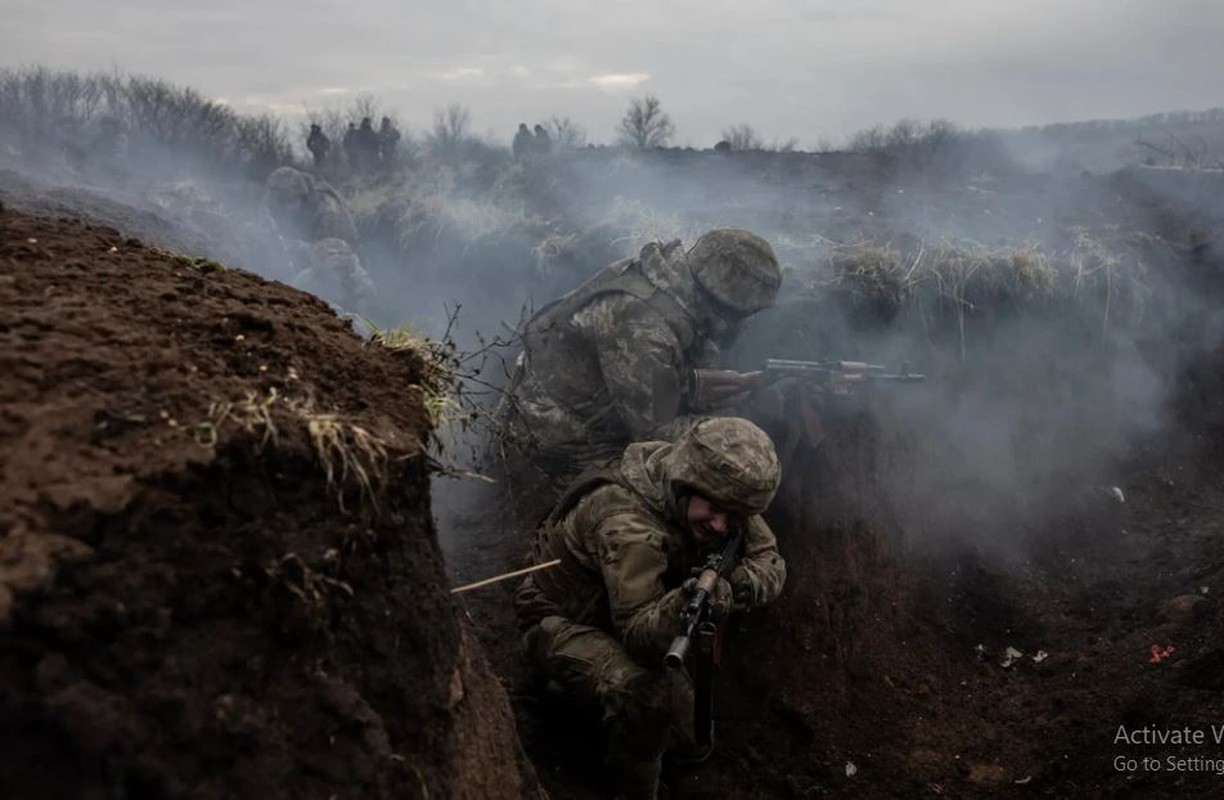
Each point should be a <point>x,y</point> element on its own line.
<point>365,105</point>
<point>645,124</point>
<point>450,130</point>
<point>905,135</point>
<point>566,133</point>
<point>742,137</point>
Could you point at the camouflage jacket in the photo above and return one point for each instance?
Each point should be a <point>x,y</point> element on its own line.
<point>624,558</point>
<point>609,363</point>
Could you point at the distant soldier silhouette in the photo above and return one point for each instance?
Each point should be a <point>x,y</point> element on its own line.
<point>388,141</point>
<point>543,142</point>
<point>319,146</point>
<point>367,146</point>
<point>350,146</point>
<point>523,143</point>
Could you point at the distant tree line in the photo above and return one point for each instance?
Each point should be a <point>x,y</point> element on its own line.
<point>148,122</point>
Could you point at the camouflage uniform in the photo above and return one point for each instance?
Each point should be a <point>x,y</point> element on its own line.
<point>308,208</point>
<point>600,622</point>
<point>611,362</point>
<point>319,234</point>
<point>335,271</point>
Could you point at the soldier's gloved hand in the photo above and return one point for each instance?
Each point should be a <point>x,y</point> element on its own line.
<point>767,405</point>
<point>722,599</point>
<point>742,589</point>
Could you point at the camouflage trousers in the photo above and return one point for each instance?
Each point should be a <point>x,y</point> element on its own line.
<point>644,711</point>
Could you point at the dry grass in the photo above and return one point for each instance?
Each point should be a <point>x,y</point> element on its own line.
<point>436,389</point>
<point>875,271</point>
<point>646,224</point>
<point>439,391</point>
<point>550,248</point>
<point>429,203</point>
<point>963,277</point>
<point>350,455</point>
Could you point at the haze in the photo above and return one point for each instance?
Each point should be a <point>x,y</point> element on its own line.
<point>808,70</point>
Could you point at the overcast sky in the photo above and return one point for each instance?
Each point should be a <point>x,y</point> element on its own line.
<point>790,68</point>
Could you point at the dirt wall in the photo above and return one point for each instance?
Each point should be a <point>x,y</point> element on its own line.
<point>218,574</point>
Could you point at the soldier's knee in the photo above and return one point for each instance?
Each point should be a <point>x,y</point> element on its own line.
<point>646,699</point>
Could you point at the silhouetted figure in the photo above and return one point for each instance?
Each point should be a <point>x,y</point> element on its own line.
<point>543,142</point>
<point>388,141</point>
<point>523,142</point>
<point>350,147</point>
<point>319,146</point>
<point>367,146</point>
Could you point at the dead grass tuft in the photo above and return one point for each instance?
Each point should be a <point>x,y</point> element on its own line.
<point>348,452</point>
<point>961,277</point>
<point>351,455</point>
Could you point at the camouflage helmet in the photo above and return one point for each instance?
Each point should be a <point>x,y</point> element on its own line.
<point>288,186</point>
<point>729,461</point>
<point>738,268</point>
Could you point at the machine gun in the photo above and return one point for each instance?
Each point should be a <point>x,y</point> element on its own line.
<point>698,625</point>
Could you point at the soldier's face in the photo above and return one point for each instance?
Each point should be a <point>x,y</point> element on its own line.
<point>707,522</point>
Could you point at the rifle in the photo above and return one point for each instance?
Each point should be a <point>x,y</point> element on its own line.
<point>712,387</point>
<point>839,377</point>
<point>698,625</point>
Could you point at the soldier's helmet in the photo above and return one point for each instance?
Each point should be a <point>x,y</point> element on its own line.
<point>737,268</point>
<point>729,461</point>
<point>286,186</point>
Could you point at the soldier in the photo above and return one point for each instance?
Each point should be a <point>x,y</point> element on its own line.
<point>319,234</point>
<point>523,142</point>
<point>612,361</point>
<point>543,142</point>
<point>334,272</point>
<point>366,146</point>
<point>388,141</point>
<point>308,208</point>
<point>352,148</point>
<point>319,146</point>
<point>627,537</point>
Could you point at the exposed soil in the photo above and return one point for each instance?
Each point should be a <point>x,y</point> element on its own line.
<point>194,609</point>
<point>192,603</point>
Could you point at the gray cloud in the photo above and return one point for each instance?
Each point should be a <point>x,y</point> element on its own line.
<point>790,68</point>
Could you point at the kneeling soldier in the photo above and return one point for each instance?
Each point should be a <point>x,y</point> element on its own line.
<point>629,537</point>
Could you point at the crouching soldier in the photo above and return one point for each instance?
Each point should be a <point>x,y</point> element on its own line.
<point>629,536</point>
<point>612,361</point>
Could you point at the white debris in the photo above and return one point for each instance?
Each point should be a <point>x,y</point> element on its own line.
<point>851,770</point>
<point>1010,655</point>
<point>1039,656</point>
<point>1023,781</point>
<point>1117,493</point>
<point>1204,590</point>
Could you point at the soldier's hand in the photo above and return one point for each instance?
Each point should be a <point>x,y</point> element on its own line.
<point>710,388</point>
<point>722,599</point>
<point>768,404</point>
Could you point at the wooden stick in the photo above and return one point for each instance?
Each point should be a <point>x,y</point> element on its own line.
<point>505,576</point>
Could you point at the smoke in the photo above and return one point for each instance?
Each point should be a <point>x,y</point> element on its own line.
<point>1036,395</point>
